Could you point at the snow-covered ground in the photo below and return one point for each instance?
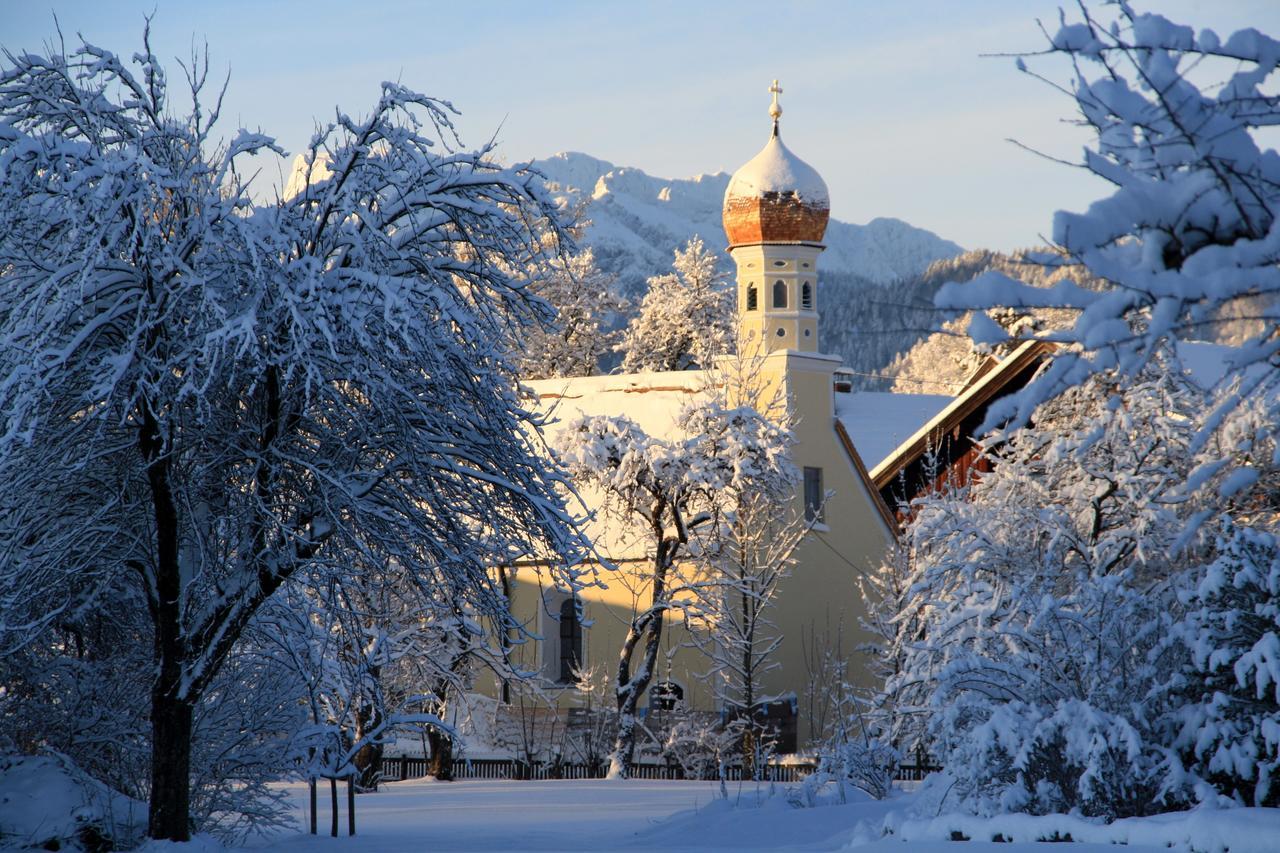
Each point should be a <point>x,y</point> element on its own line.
<point>499,815</point>
<point>687,816</point>
<point>42,798</point>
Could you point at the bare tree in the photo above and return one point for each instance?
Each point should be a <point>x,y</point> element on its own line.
<point>742,560</point>
<point>665,488</point>
<point>740,575</point>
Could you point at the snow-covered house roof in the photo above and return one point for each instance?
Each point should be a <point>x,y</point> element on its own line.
<point>1209,364</point>
<point>879,421</point>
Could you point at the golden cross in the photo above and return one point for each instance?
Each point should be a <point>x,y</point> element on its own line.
<point>775,110</point>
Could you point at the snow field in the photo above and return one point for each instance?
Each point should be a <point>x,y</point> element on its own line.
<point>597,815</point>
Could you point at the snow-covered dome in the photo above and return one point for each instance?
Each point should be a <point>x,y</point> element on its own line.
<point>776,197</point>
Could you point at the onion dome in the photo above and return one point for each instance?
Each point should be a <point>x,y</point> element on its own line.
<point>776,197</point>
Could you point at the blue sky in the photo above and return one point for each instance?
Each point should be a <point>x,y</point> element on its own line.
<point>890,101</point>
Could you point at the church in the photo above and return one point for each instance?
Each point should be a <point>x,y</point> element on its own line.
<point>775,214</point>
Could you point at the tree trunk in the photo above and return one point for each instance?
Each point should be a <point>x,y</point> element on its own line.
<point>368,758</point>
<point>749,741</point>
<point>441,763</point>
<point>368,764</point>
<point>169,816</point>
<point>631,687</point>
<point>631,690</point>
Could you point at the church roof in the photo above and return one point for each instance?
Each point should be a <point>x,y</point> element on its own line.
<point>653,400</point>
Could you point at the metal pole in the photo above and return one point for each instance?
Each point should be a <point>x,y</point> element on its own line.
<point>333,797</point>
<point>351,805</point>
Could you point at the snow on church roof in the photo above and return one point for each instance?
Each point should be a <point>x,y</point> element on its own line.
<point>776,169</point>
<point>878,421</point>
<point>652,400</point>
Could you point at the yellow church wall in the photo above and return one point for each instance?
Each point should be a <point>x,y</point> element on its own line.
<point>822,591</point>
<point>608,611</point>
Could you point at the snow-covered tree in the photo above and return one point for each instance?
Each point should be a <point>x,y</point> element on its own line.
<point>579,337</point>
<point>1227,727</point>
<point>666,488</point>
<point>1038,608</point>
<point>946,361</point>
<point>686,318</point>
<point>211,398</point>
<point>75,691</point>
<point>1190,236</point>
<point>375,660</point>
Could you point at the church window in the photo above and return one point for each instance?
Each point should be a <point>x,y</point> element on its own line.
<point>813,495</point>
<point>665,696</point>
<point>751,298</point>
<point>781,331</point>
<point>779,263</point>
<point>570,641</point>
<point>779,294</point>
<point>806,296</point>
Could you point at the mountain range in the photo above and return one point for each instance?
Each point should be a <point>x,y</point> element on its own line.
<point>636,221</point>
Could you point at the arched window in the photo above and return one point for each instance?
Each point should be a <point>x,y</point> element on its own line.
<point>751,298</point>
<point>665,696</point>
<point>570,641</point>
<point>806,296</point>
<point>779,294</point>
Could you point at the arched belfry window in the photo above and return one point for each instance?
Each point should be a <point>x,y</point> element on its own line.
<point>751,297</point>
<point>806,296</point>
<point>570,641</point>
<point>779,294</point>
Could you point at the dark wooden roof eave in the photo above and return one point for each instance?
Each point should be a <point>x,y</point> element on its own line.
<point>976,396</point>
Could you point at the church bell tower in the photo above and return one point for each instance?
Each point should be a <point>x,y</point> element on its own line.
<point>775,215</point>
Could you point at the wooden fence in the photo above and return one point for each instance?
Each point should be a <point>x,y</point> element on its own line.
<point>400,768</point>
